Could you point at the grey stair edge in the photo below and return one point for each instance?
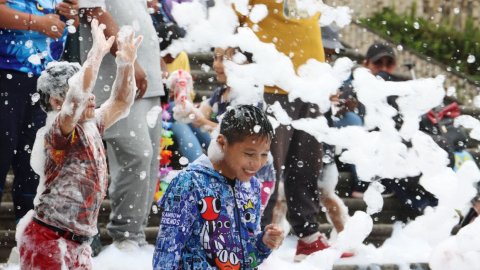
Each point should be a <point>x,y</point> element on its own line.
<point>151,231</point>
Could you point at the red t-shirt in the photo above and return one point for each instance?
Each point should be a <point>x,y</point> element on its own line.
<point>75,178</point>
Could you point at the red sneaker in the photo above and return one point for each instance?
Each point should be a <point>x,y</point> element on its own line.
<point>304,249</point>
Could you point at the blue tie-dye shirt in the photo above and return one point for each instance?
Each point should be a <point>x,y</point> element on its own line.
<point>30,51</point>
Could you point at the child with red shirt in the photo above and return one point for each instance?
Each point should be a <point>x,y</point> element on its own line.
<point>73,166</point>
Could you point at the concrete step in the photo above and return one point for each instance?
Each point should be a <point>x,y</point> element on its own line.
<point>379,233</point>
<point>392,211</point>
<point>199,60</point>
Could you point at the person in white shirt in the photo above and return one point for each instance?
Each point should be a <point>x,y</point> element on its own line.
<point>132,143</point>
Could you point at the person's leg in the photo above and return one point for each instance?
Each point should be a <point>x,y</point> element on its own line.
<point>352,119</point>
<point>130,154</point>
<point>39,248</point>
<point>9,124</point>
<point>266,176</point>
<point>21,118</point>
<point>410,193</point>
<point>279,149</point>
<point>155,135</point>
<point>188,144</point>
<point>302,170</point>
<point>203,137</point>
<point>336,210</point>
<point>349,119</point>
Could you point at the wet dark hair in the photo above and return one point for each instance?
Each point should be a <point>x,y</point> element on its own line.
<point>245,120</point>
<point>54,82</point>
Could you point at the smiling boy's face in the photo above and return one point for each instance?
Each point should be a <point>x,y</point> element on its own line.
<point>243,159</point>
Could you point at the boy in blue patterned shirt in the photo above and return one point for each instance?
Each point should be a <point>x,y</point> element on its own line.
<point>210,213</point>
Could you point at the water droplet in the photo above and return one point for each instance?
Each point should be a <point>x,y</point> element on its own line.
<point>54,28</point>
<point>400,48</point>
<point>256,128</point>
<point>300,164</point>
<point>471,59</point>
<point>456,10</point>
<point>191,116</point>
<point>183,161</point>
<point>26,147</point>
<point>9,76</point>
<point>35,97</point>
<point>126,234</point>
<point>205,68</point>
<point>416,25</point>
<point>71,29</point>
<point>119,217</point>
<point>190,145</point>
<point>146,153</point>
<point>106,88</point>
<point>6,102</point>
<point>35,59</point>
<point>130,206</point>
<point>28,44</point>
<point>267,190</point>
<point>143,174</point>
<point>132,133</point>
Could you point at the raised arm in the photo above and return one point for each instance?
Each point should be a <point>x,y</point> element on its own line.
<point>16,20</point>
<point>81,84</point>
<point>124,86</point>
<point>112,29</point>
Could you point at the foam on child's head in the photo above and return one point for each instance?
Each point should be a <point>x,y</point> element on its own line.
<point>54,81</point>
<point>245,120</point>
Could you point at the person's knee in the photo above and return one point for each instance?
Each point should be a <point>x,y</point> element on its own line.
<point>135,158</point>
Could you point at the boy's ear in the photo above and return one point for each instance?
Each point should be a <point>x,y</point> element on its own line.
<point>56,103</point>
<point>222,141</point>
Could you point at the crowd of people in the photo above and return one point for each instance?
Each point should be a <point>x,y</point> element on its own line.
<point>224,208</point>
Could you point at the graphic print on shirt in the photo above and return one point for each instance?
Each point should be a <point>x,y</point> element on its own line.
<point>227,260</point>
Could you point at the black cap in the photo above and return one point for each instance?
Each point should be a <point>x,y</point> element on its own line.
<point>379,50</point>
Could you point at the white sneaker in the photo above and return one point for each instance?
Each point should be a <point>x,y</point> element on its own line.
<point>14,257</point>
<point>126,245</point>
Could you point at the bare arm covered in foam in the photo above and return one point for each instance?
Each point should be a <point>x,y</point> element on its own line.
<point>81,84</point>
<point>124,86</point>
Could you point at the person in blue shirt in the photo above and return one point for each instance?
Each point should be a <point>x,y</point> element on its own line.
<point>210,213</point>
<point>32,34</point>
